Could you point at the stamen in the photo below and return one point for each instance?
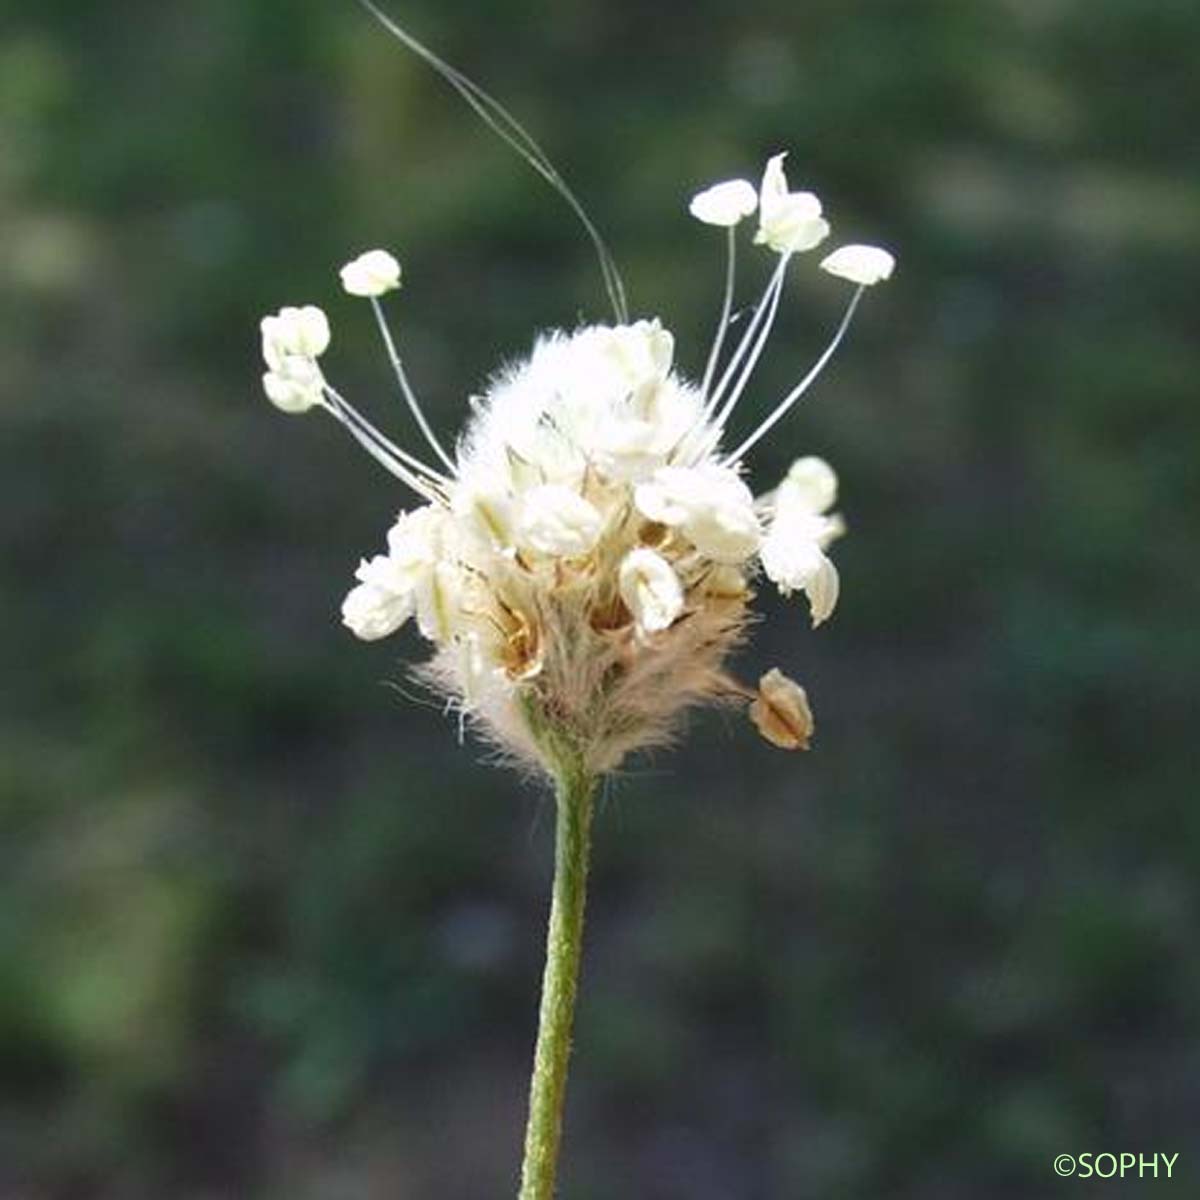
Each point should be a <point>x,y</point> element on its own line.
<point>411,460</point>
<point>786,403</point>
<point>705,443</point>
<point>502,123</point>
<point>384,459</point>
<point>723,323</point>
<point>751,331</point>
<point>378,447</point>
<point>748,370</point>
<point>405,386</point>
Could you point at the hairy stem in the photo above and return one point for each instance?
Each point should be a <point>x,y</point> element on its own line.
<point>564,938</point>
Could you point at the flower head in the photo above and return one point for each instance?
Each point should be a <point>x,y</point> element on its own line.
<point>583,562</point>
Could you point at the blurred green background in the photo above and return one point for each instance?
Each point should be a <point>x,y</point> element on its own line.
<point>267,930</point>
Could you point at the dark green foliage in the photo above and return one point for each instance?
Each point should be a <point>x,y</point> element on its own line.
<point>267,931</point>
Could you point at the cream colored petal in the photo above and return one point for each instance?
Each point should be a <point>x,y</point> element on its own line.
<point>650,589</point>
<point>790,556</point>
<point>371,613</point>
<point>774,186</point>
<point>726,533</point>
<point>809,486</point>
<point>659,500</point>
<point>822,590</point>
<point>558,521</point>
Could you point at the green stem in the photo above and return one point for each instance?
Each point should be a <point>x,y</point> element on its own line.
<point>564,938</point>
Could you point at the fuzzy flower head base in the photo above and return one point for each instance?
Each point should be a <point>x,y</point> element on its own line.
<point>583,562</point>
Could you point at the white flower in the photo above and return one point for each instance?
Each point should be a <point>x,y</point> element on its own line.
<point>788,222</point>
<point>793,552</point>
<point>294,333</point>
<point>650,589</point>
<point>392,586</point>
<point>641,353</point>
<point>558,521</point>
<point>370,612</point>
<point>710,505</point>
<point>371,274</point>
<point>640,435</point>
<point>724,203</point>
<point>417,538</point>
<point>671,496</point>
<point>585,552</point>
<point>794,562</point>
<point>865,265</point>
<point>728,534</point>
<point>631,449</point>
<point>603,398</point>
<point>386,574</point>
<point>589,499</point>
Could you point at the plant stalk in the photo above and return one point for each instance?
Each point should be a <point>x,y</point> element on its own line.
<point>564,938</point>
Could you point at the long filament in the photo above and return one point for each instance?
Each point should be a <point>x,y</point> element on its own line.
<point>411,460</point>
<point>786,403</point>
<point>768,324</point>
<point>502,123</point>
<point>723,324</point>
<point>381,456</point>
<point>388,455</point>
<point>748,336</point>
<point>409,395</point>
